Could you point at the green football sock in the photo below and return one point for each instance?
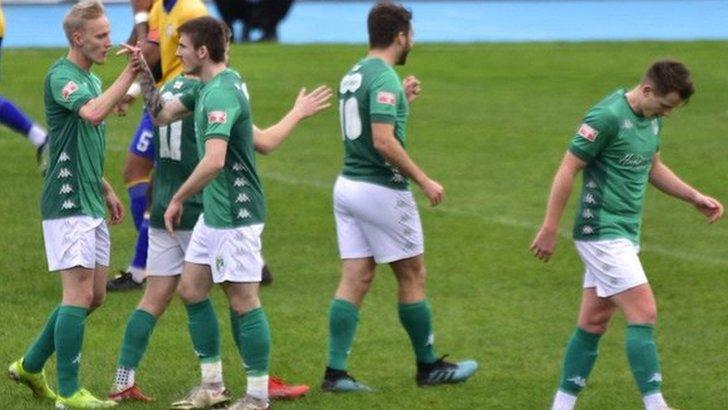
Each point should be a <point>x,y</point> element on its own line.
<point>643,359</point>
<point>417,320</point>
<point>204,330</point>
<point>68,337</point>
<point>43,347</point>
<point>343,318</point>
<point>579,358</point>
<point>252,336</point>
<point>136,338</point>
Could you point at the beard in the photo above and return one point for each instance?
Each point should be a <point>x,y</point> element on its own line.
<point>402,59</point>
<point>194,70</point>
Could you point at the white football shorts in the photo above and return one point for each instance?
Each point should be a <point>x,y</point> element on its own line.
<point>612,266</point>
<point>376,221</point>
<point>166,255</point>
<point>76,241</point>
<point>234,254</point>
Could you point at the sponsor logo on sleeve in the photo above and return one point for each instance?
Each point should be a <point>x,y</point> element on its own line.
<point>68,89</point>
<point>587,132</point>
<point>384,97</point>
<point>217,117</point>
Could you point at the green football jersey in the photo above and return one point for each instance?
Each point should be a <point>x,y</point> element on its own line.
<point>73,182</point>
<point>618,147</point>
<point>235,197</point>
<point>176,157</point>
<point>371,92</point>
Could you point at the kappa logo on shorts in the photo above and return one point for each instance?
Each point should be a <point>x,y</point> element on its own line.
<point>68,89</point>
<point>217,117</point>
<point>219,263</point>
<point>384,97</point>
<point>587,132</point>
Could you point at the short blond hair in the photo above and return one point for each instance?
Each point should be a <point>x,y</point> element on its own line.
<point>77,16</point>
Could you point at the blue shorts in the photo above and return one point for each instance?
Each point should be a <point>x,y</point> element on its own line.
<point>142,144</point>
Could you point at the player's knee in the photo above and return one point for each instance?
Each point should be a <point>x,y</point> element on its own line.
<point>413,278</point>
<point>190,293</point>
<point>97,301</point>
<point>155,306</point>
<point>595,327</point>
<point>596,323</point>
<point>648,314</point>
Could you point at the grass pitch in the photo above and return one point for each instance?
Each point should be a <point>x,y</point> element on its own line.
<point>492,124</point>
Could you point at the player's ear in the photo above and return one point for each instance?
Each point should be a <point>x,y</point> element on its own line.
<point>202,52</point>
<point>77,38</point>
<point>647,89</point>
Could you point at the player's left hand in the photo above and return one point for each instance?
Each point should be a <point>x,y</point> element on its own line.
<point>709,207</point>
<point>312,103</point>
<point>173,215</point>
<point>412,88</point>
<point>122,106</point>
<point>116,209</point>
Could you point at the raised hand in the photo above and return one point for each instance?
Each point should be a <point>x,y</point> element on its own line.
<point>412,88</point>
<point>312,103</point>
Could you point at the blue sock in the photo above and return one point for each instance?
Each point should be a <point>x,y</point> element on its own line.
<point>138,197</point>
<point>12,117</point>
<point>139,260</point>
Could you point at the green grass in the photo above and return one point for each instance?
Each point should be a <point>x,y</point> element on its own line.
<point>492,124</point>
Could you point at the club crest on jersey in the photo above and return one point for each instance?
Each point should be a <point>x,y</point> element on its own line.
<point>384,97</point>
<point>217,117</point>
<point>68,89</point>
<point>587,132</point>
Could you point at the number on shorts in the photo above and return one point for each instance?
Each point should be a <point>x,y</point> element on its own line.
<point>144,140</point>
<point>170,141</point>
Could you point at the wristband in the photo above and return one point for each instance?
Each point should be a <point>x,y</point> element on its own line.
<point>135,90</point>
<point>141,17</point>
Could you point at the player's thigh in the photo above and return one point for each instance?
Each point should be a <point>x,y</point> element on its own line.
<point>158,292</point>
<point>638,304</point>
<point>235,254</point>
<point>611,266</point>
<point>595,313</point>
<point>76,241</point>
<point>166,253</point>
<point>389,219</point>
<point>195,283</point>
<point>349,234</point>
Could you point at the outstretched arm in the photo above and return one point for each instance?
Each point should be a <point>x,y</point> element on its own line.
<point>161,112</point>
<point>306,105</point>
<point>97,109</point>
<point>666,181</point>
<point>544,243</point>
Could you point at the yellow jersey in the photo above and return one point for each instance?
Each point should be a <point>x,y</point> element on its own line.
<point>2,21</point>
<point>163,26</point>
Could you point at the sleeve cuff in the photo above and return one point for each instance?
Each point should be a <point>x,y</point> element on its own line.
<point>582,155</point>
<point>383,118</point>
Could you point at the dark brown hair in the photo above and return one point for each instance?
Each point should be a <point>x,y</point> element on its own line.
<point>667,76</point>
<point>209,32</point>
<point>386,20</point>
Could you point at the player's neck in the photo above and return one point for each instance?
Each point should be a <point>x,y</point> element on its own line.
<point>634,100</point>
<point>209,71</point>
<point>387,54</point>
<point>76,57</point>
